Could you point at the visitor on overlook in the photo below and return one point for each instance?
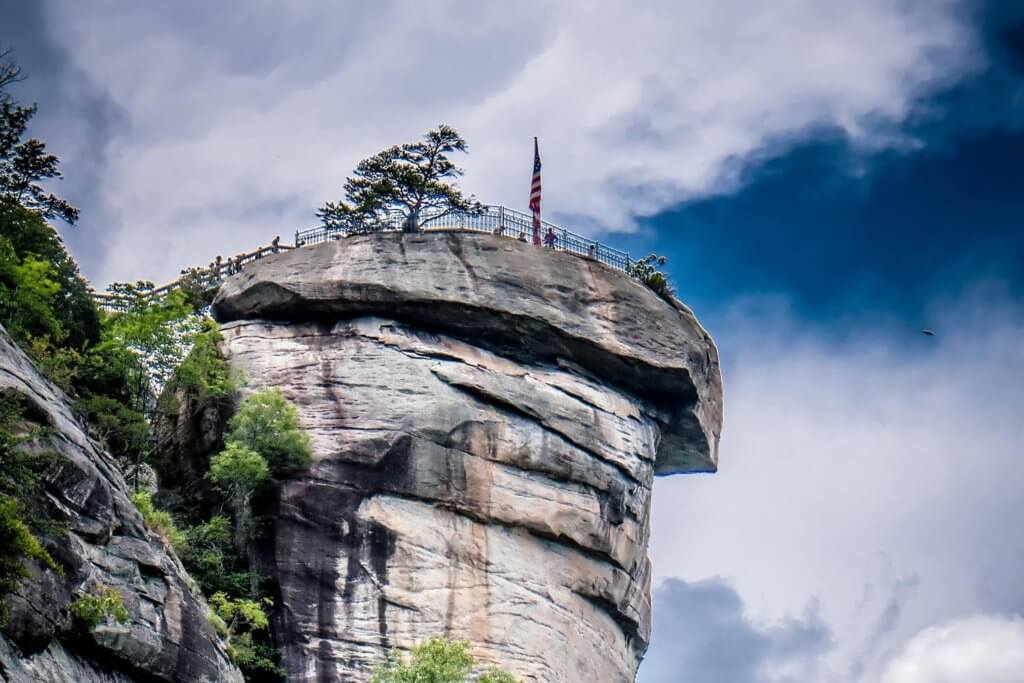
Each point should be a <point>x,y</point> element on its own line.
<point>550,238</point>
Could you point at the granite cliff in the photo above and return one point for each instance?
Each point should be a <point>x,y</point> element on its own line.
<point>167,636</point>
<point>487,418</point>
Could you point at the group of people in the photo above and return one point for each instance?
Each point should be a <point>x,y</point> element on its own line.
<point>234,265</point>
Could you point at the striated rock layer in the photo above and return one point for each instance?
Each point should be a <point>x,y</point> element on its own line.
<point>487,420</point>
<point>167,637</point>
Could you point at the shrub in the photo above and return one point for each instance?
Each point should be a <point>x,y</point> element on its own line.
<point>436,661</point>
<point>17,544</point>
<point>21,474</point>
<point>204,375</point>
<point>239,619</point>
<point>646,271</point>
<point>159,521</point>
<point>92,609</point>
<point>269,425</point>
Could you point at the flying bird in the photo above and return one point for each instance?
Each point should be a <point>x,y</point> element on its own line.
<point>928,333</point>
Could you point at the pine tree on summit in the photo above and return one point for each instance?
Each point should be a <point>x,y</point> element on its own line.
<point>415,179</point>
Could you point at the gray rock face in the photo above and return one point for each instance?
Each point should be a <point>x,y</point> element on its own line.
<point>487,420</point>
<point>168,637</point>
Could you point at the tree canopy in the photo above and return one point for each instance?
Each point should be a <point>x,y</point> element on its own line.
<point>416,180</point>
<point>24,164</point>
<point>437,660</point>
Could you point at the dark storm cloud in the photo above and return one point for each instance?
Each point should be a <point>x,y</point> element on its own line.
<point>76,119</point>
<point>701,635</point>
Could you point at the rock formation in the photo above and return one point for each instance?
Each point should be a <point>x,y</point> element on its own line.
<point>488,418</point>
<point>167,638</point>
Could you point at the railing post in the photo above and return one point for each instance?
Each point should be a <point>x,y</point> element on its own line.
<point>501,219</point>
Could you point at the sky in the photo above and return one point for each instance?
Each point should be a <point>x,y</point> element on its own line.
<point>826,179</point>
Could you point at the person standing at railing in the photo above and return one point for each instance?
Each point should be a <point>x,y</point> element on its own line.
<point>550,238</point>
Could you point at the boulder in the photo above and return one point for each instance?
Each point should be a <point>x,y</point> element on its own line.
<point>487,420</point>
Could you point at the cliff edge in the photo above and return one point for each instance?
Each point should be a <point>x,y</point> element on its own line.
<point>104,543</point>
<point>487,420</point>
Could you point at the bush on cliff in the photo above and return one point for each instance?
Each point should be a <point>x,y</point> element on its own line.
<point>21,474</point>
<point>269,425</point>
<point>646,270</point>
<point>437,660</point>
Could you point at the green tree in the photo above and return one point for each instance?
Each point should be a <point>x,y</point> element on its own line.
<point>204,375</point>
<point>269,425</point>
<point>28,289</point>
<point>647,270</point>
<point>159,332</point>
<point>239,471</point>
<point>416,180</point>
<point>437,660</point>
<point>24,164</point>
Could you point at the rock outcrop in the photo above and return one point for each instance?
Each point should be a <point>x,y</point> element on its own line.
<point>487,420</point>
<point>167,637</point>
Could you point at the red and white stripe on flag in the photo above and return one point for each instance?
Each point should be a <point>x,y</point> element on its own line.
<point>535,193</point>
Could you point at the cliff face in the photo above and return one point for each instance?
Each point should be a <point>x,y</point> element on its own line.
<point>167,637</point>
<point>487,420</point>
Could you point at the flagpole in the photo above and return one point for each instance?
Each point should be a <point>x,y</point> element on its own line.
<point>535,193</point>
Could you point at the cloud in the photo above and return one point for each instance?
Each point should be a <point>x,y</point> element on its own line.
<point>701,635</point>
<point>864,466</point>
<point>981,649</point>
<point>241,121</point>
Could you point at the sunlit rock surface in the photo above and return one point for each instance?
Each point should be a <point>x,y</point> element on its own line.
<point>487,419</point>
<point>167,638</point>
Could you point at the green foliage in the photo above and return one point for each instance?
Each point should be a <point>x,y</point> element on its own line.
<point>92,609</point>
<point>21,475</point>
<point>239,620</point>
<point>238,469</point>
<point>17,545</point>
<point>646,270</point>
<point>269,425</point>
<point>204,375</point>
<point>159,332</point>
<point>415,179</point>
<point>159,521</point>
<point>436,661</point>
<point>25,163</point>
<point>28,290</point>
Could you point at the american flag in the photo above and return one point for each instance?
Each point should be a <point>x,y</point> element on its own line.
<point>535,194</point>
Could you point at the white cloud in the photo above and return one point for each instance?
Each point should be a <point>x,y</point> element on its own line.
<point>981,649</point>
<point>243,120</point>
<point>870,467</point>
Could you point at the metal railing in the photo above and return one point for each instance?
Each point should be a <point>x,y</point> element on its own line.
<point>494,220</point>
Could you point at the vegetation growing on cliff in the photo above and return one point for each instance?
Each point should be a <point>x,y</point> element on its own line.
<point>416,179</point>
<point>92,609</point>
<point>646,270</point>
<point>436,661</point>
<point>21,472</point>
